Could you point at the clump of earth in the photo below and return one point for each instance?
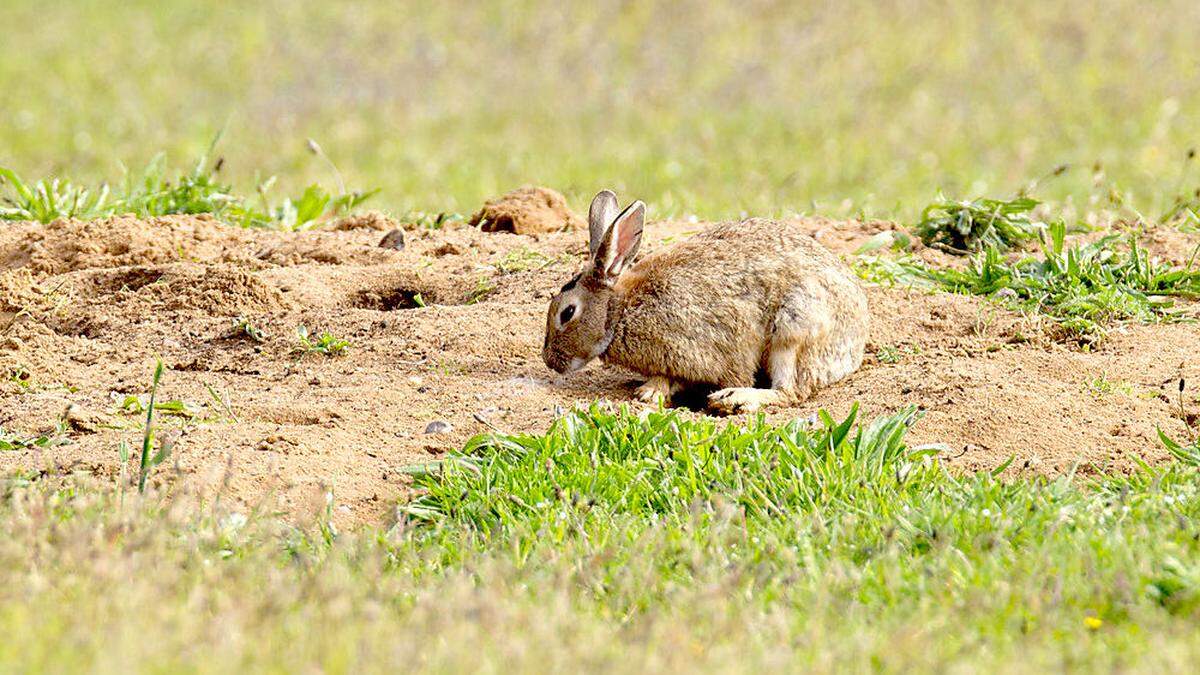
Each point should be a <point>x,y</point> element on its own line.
<point>527,210</point>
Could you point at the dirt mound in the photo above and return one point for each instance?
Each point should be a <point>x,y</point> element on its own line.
<point>68,245</point>
<point>72,245</point>
<point>370,220</point>
<point>220,290</point>
<point>327,248</point>
<point>20,291</point>
<point>450,329</point>
<point>527,210</point>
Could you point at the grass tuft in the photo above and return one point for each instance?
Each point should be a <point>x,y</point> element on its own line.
<point>1188,454</point>
<point>57,436</point>
<point>603,466</point>
<point>1084,288</point>
<point>244,327</point>
<point>49,199</point>
<point>325,343</point>
<point>962,226</point>
<point>157,192</point>
<point>150,459</point>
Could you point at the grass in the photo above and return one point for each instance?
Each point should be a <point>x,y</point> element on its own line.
<point>1187,452</point>
<point>49,199</point>
<point>483,288</point>
<point>150,459</point>
<point>1102,386</point>
<point>618,542</point>
<point>159,193</point>
<point>891,354</point>
<point>611,465</point>
<point>432,221</point>
<point>446,106</point>
<point>527,259</point>
<point>1083,288</point>
<point>962,226</point>
<point>325,343</point>
<point>10,440</point>
<point>140,405</point>
<point>20,376</point>
<point>244,327</point>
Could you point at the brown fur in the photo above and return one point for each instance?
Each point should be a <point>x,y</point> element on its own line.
<point>718,308</point>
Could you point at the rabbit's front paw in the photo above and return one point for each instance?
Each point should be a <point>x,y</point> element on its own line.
<point>741,399</point>
<point>656,390</point>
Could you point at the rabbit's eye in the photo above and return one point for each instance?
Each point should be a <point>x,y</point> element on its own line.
<point>567,314</point>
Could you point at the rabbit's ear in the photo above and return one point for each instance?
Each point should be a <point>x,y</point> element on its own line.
<point>600,216</point>
<point>620,243</point>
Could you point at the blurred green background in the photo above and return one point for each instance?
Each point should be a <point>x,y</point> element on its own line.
<point>704,108</point>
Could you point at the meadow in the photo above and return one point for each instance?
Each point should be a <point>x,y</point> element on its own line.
<point>1043,152</point>
<point>697,108</point>
<point>625,542</point>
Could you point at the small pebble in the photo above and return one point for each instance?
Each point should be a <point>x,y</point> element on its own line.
<point>438,427</point>
<point>393,240</point>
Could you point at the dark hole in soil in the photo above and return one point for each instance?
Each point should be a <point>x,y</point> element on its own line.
<point>133,279</point>
<point>391,299</point>
<point>694,397</point>
<point>502,223</point>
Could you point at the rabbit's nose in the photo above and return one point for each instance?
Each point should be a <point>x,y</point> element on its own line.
<point>549,359</point>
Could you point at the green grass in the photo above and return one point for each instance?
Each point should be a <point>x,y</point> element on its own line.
<point>149,459</point>
<point>325,343</point>
<point>1102,386</point>
<point>962,226</point>
<point>157,192</point>
<point>1187,452</point>
<point>622,542</point>
<point>891,354</point>
<point>483,288</point>
<point>611,466</point>
<point>707,108</point>
<point>244,327</point>
<point>10,440</point>
<point>1083,288</point>
<point>527,259</point>
<point>49,199</point>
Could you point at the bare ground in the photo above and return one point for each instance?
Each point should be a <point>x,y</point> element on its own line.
<point>450,329</point>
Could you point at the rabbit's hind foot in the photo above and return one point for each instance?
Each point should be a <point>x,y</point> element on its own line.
<point>743,399</point>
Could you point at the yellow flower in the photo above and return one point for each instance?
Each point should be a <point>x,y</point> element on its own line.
<point>1092,622</point>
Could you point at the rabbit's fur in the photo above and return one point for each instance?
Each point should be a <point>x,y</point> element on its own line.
<point>721,307</point>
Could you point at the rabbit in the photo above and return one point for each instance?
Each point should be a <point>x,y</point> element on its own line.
<point>719,308</point>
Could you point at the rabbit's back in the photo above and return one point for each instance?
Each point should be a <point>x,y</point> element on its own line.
<point>703,310</point>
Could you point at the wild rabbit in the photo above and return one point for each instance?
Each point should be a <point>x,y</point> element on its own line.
<point>718,308</point>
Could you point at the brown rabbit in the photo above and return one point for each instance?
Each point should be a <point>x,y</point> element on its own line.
<point>718,308</point>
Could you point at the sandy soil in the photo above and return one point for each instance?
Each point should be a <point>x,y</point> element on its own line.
<point>449,329</point>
